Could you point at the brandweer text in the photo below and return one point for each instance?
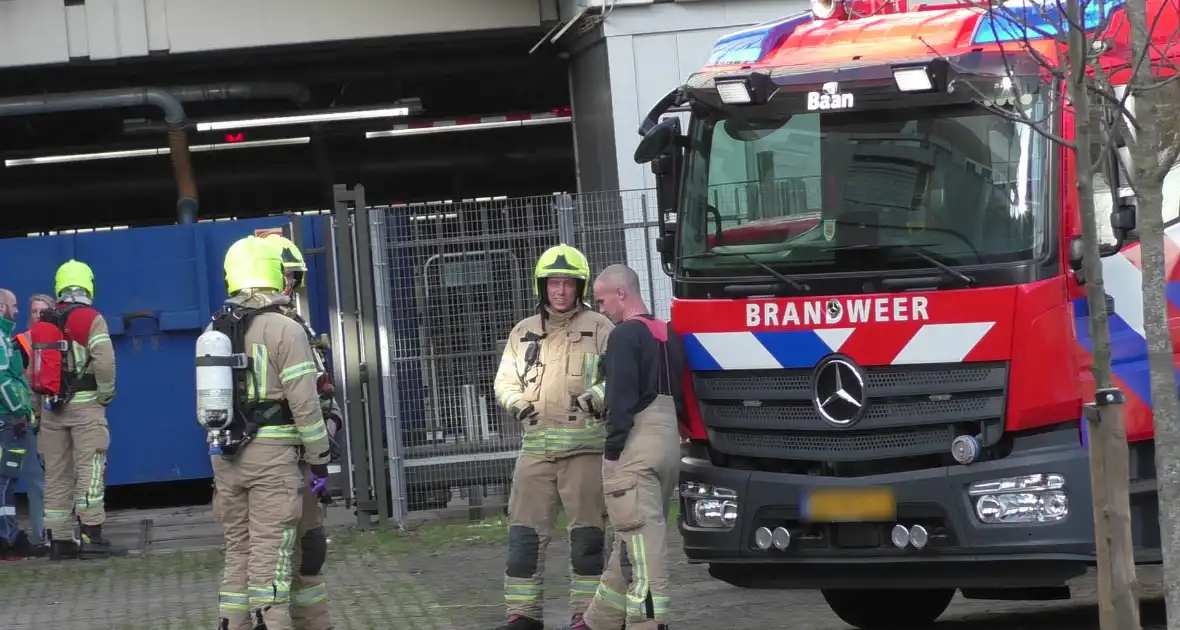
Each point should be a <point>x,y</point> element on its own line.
<point>817,312</point>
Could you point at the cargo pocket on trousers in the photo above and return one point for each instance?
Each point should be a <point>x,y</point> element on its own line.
<point>11,460</point>
<point>622,501</point>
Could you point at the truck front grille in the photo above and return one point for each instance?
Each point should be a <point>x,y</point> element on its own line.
<point>910,410</point>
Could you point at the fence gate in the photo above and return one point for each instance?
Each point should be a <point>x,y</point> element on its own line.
<point>423,297</point>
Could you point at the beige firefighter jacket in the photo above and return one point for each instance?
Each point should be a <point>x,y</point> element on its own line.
<point>566,366</point>
<point>99,350</point>
<point>328,404</point>
<point>283,362</point>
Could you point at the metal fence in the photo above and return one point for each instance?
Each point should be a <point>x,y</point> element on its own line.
<point>448,283</point>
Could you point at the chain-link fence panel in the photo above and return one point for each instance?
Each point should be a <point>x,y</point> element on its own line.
<point>621,227</point>
<point>458,282</point>
<point>453,279</point>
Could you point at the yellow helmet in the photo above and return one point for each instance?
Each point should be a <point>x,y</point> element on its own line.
<point>293,262</point>
<point>253,263</point>
<point>73,273</point>
<point>561,261</point>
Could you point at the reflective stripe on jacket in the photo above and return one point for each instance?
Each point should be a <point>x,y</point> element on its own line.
<point>285,368</point>
<point>566,366</point>
<point>14,389</point>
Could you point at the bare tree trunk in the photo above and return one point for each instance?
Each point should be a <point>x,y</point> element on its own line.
<point>1148,179</point>
<point>1118,607</point>
<point>1163,384</point>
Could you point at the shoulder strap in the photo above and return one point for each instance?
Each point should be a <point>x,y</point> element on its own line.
<point>657,327</point>
<point>63,315</point>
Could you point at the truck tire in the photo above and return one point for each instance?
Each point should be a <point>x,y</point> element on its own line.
<point>888,609</point>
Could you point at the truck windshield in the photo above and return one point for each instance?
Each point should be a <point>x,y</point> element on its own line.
<point>864,191</point>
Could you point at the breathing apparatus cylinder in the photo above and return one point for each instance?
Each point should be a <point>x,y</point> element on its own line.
<point>215,386</point>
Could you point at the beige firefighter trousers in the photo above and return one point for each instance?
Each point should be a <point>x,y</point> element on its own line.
<point>258,498</point>
<point>309,593</point>
<point>638,494</point>
<point>539,488</point>
<point>74,444</point>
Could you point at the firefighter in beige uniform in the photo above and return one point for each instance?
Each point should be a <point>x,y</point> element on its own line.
<point>644,396</point>
<point>310,611</point>
<point>74,434</point>
<point>258,476</point>
<point>548,368</point>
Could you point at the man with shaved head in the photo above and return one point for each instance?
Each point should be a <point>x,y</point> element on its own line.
<point>643,368</point>
<point>14,426</point>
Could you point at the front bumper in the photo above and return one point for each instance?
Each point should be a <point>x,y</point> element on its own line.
<point>971,554</point>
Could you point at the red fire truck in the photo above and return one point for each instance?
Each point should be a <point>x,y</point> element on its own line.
<point>876,270</point>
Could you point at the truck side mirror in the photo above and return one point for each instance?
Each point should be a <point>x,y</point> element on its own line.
<point>666,168</point>
<point>658,141</point>
<point>662,147</point>
<point>1122,220</point>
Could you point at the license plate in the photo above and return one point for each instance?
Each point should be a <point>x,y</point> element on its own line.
<point>850,505</point>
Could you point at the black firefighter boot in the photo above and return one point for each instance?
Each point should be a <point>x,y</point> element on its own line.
<point>61,549</point>
<point>94,546</point>
<point>516,622</point>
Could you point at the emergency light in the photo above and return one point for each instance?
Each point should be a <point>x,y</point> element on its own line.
<point>1021,20</point>
<point>751,45</point>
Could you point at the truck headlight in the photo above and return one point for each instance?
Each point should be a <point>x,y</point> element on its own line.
<point>1039,498</point>
<point>709,506</point>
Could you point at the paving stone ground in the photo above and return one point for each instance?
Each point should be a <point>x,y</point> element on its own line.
<point>448,580</point>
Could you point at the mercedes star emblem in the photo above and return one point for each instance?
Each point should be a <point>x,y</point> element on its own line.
<point>839,391</point>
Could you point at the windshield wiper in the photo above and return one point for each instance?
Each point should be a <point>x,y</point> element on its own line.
<point>777,275</point>
<point>921,252</point>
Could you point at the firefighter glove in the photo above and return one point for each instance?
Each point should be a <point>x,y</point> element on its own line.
<point>20,426</point>
<point>590,402</point>
<point>524,413</point>
<point>320,470</point>
<point>105,398</point>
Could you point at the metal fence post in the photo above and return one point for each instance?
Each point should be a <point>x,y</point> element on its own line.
<point>370,367</point>
<point>388,346</point>
<point>563,205</point>
<point>651,270</point>
<point>360,439</point>
<point>336,330</point>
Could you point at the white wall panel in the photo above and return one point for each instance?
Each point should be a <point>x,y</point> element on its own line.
<point>654,49</point>
<point>37,32</point>
<point>651,50</point>
<point>32,32</point>
<point>202,25</point>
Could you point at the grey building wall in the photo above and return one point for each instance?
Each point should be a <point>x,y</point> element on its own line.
<point>593,112</point>
<point>37,32</point>
<point>649,49</point>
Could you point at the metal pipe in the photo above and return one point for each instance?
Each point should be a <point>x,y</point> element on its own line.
<point>187,205</point>
<point>294,92</point>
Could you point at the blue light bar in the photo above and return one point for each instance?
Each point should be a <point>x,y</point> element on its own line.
<point>1018,20</point>
<point>753,44</point>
